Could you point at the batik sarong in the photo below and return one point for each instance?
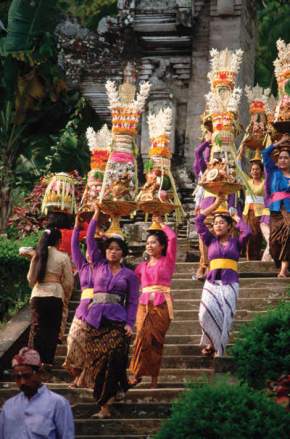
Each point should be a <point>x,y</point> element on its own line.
<point>280,236</point>
<point>74,361</point>
<point>216,312</point>
<point>106,360</point>
<point>152,323</point>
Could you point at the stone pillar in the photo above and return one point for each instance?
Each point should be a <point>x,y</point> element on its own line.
<point>157,99</point>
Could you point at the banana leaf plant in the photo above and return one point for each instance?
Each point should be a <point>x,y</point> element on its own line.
<point>10,147</point>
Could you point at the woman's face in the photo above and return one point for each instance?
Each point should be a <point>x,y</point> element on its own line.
<point>220,227</point>
<point>284,161</point>
<point>114,253</point>
<point>256,172</point>
<point>153,246</point>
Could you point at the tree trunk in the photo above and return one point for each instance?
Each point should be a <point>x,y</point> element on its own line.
<point>5,200</point>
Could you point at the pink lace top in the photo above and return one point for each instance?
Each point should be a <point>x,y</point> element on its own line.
<point>159,274</point>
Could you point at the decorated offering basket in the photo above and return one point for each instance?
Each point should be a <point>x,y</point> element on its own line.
<point>59,195</point>
<point>100,144</point>
<point>158,195</point>
<point>258,127</point>
<point>282,73</point>
<point>120,184</point>
<point>221,175</point>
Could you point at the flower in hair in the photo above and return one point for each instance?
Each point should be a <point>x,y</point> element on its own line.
<point>48,231</point>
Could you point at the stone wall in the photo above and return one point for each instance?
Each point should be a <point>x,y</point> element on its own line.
<point>170,41</point>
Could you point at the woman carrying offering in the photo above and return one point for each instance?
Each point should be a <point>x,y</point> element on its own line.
<point>155,309</point>
<point>256,214</point>
<point>109,320</point>
<point>76,338</point>
<point>50,275</point>
<point>221,288</point>
<point>278,192</point>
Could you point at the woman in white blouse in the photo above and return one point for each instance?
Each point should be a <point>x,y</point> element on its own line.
<point>50,276</point>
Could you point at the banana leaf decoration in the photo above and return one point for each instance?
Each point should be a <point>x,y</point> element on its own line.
<point>27,20</point>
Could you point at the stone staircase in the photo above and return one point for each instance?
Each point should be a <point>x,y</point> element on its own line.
<point>143,410</point>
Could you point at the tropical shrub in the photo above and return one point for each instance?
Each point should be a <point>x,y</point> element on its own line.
<point>14,288</point>
<point>224,411</point>
<point>262,351</point>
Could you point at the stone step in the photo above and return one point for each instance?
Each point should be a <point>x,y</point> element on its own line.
<point>189,326</point>
<point>134,396</point>
<point>193,290</point>
<point>244,266</point>
<point>247,304</point>
<point>171,376</point>
<point>95,427</point>
<point>114,436</point>
<point>124,409</point>
<point>257,282</point>
<point>168,349</point>
<point>190,314</point>
<point>179,361</point>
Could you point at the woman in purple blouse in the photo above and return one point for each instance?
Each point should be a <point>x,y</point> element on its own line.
<point>74,361</point>
<point>221,288</point>
<point>109,320</point>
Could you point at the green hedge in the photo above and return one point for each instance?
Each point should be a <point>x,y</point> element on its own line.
<point>224,411</point>
<point>262,351</point>
<point>14,289</point>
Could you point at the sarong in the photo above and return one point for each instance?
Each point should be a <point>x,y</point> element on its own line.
<point>46,314</point>
<point>106,360</point>
<point>76,339</point>
<point>216,312</point>
<point>254,243</point>
<point>152,323</point>
<point>280,236</point>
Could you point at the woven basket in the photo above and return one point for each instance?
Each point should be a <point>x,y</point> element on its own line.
<point>156,207</point>
<point>118,208</point>
<point>221,187</point>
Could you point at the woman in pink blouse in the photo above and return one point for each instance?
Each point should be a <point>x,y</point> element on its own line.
<point>155,309</point>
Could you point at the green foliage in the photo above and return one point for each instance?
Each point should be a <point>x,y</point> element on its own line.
<point>89,12</point>
<point>273,23</point>
<point>14,288</point>
<point>224,411</point>
<point>69,150</point>
<point>27,20</point>
<point>262,351</point>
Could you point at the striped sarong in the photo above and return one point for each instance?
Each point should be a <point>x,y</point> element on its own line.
<point>216,312</point>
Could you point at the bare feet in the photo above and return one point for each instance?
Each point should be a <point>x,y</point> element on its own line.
<point>104,413</point>
<point>208,351</point>
<point>154,383</point>
<point>134,381</point>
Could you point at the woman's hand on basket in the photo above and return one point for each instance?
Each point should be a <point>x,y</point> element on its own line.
<point>128,330</point>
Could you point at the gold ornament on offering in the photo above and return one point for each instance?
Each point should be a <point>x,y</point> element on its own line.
<point>120,183</point>
<point>222,175</point>
<point>59,195</point>
<point>282,73</point>
<point>99,144</point>
<point>158,195</point>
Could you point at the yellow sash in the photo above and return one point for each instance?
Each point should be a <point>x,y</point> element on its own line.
<point>87,293</point>
<point>221,263</point>
<point>164,290</point>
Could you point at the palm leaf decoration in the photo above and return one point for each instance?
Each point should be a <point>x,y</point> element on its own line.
<point>27,20</point>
